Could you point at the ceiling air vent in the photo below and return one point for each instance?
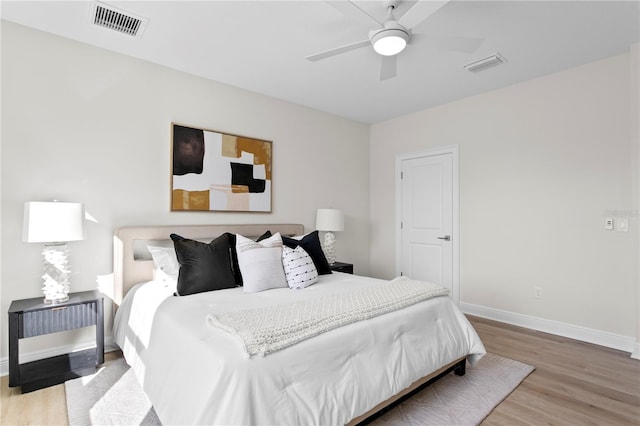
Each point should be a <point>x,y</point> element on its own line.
<point>489,61</point>
<point>118,20</point>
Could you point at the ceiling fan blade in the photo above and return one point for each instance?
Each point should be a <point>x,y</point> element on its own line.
<point>338,50</point>
<point>388,65</point>
<point>454,43</point>
<point>420,11</point>
<point>352,10</point>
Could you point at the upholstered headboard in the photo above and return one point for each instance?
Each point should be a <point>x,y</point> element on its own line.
<point>132,266</point>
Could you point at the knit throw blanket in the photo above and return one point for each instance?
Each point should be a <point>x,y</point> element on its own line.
<point>272,328</point>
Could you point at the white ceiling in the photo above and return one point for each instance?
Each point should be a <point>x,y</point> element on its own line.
<point>261,46</point>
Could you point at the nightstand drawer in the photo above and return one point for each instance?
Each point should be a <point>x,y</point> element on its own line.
<point>36,323</point>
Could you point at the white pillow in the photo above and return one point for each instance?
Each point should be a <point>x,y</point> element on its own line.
<point>298,267</point>
<point>166,264</point>
<point>261,263</point>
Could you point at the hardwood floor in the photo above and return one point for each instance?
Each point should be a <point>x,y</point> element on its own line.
<point>42,407</point>
<point>575,383</point>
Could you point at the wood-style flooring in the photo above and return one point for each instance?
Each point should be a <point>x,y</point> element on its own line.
<point>46,406</point>
<point>575,383</point>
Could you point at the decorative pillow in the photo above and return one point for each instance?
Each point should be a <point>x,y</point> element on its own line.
<point>261,263</point>
<point>311,244</point>
<point>166,264</point>
<point>234,255</point>
<point>203,267</point>
<point>298,267</point>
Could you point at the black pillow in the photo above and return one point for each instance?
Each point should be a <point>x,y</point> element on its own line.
<point>203,267</point>
<point>311,244</point>
<point>234,255</point>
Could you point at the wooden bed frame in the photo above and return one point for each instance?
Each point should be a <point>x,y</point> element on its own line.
<point>130,268</point>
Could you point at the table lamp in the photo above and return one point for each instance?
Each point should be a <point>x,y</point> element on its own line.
<point>330,220</point>
<point>54,224</point>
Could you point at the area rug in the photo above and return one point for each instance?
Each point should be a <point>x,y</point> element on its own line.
<point>112,396</point>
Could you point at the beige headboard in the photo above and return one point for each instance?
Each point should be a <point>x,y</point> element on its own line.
<point>129,270</point>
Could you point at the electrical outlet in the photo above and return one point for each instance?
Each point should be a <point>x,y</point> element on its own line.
<point>622,225</point>
<point>538,291</point>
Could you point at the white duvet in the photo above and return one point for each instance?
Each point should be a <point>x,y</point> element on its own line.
<point>194,373</point>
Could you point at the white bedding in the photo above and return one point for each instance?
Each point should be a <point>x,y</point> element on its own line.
<point>194,373</point>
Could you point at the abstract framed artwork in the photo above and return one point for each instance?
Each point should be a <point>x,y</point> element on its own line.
<point>215,171</point>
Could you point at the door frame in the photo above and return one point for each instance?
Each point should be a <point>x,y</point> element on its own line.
<point>455,231</point>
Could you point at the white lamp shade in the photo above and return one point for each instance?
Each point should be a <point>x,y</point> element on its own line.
<point>329,220</point>
<point>51,222</point>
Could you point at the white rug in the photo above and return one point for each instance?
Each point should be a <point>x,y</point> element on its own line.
<point>460,400</point>
<point>112,396</point>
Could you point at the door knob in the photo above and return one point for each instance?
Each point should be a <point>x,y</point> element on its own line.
<point>446,238</point>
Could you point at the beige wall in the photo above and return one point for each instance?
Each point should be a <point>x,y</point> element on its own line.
<point>84,124</point>
<point>540,163</point>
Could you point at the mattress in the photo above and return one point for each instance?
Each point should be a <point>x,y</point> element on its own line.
<point>195,373</point>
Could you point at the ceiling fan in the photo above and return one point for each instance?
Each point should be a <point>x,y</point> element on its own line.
<point>391,36</point>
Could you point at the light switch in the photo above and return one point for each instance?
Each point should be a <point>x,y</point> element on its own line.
<point>608,223</point>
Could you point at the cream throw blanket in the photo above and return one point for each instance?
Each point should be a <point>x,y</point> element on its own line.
<point>271,328</point>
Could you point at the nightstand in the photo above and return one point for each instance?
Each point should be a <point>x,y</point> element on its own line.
<point>31,317</point>
<point>342,267</point>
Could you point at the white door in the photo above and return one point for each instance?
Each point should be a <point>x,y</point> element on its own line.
<point>427,220</point>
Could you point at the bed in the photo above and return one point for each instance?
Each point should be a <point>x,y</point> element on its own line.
<point>196,373</point>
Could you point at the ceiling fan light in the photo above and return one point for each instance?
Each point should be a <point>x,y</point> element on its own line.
<point>389,42</point>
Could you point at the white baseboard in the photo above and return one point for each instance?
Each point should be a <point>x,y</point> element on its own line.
<point>602,338</point>
<point>636,350</point>
<point>109,346</point>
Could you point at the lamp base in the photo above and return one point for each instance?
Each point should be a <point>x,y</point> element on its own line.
<point>56,273</point>
<point>61,299</point>
<point>330,247</point>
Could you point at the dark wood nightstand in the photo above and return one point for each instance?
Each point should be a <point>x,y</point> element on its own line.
<point>342,267</point>
<point>31,317</point>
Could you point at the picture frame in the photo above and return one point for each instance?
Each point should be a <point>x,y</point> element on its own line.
<point>219,172</point>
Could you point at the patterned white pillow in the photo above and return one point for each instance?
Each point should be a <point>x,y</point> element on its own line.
<point>166,264</point>
<point>298,267</point>
<point>260,263</point>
